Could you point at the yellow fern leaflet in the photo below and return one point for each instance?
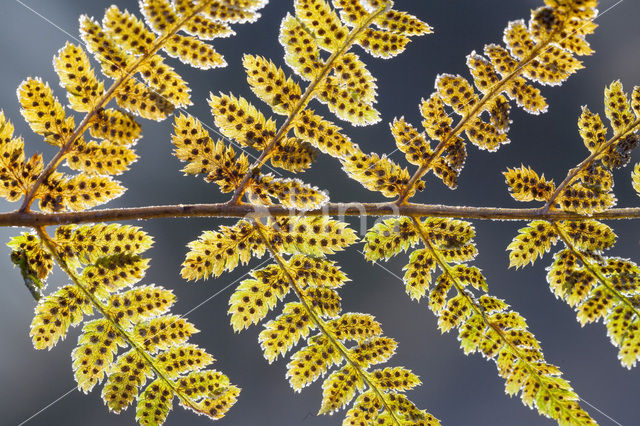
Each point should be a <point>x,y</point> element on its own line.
<point>44,113</point>
<point>239,120</point>
<point>271,84</point>
<point>526,185</point>
<point>77,77</point>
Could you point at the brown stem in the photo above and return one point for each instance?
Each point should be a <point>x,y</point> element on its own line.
<point>102,102</point>
<point>585,163</point>
<point>301,104</point>
<point>34,219</point>
<point>322,326</point>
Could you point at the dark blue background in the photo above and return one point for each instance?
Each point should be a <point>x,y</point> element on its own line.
<point>458,390</point>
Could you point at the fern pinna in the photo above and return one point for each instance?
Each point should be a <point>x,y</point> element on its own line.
<point>103,261</point>
<point>139,351</point>
<point>340,79</point>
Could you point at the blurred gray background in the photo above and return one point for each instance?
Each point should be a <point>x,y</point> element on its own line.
<point>458,390</point>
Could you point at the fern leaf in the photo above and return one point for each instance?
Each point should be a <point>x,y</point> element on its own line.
<point>139,100</point>
<point>532,242</point>
<point>255,297</point>
<point>115,126</point>
<point>55,314</point>
<point>113,273</point>
<point>154,403</point>
<point>403,23</point>
<point>163,332</point>
<point>585,200</point>
<point>104,158</point>
<point>271,85</point>
<point>389,238</point>
<point>354,75</point>
<point>592,130</point>
<point>302,52</point>
<point>129,373</point>
<point>94,355</point>
<point>16,175</point>
<point>635,101</point>
<point>456,92</point>
<point>339,389</point>
<point>290,192</point>
<point>374,351</point>
<point>224,11</point>
<point>165,82</point>
<point>281,334</point>
<point>354,326</point>
<point>635,178</point>
<point>382,44</point>
<point>345,103</point>
<point>323,22</point>
<point>412,143</point>
<point>88,243</point>
<point>215,252</point>
<point>215,407</point>
<point>589,235</point>
<point>617,107</point>
<point>202,26</point>
<point>77,193</point>
<point>30,255</point>
<point>183,359</point>
<point>378,174</point>
<point>448,233</point>
<point>417,277</point>
<point>436,121</point>
<point>77,77</point>
<point>239,120</point>
<point>485,135</point>
<point>310,363</point>
<point>324,301</point>
<point>194,52</point>
<point>112,58</point>
<point>159,15</point>
<point>127,31</point>
<point>313,236</point>
<point>293,154</point>
<point>316,272</point>
<point>140,303</point>
<point>44,113</point>
<point>323,135</point>
<point>525,185</point>
<point>214,159</point>
<point>396,379</point>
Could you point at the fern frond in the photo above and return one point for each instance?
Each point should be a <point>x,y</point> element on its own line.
<point>135,319</point>
<point>536,52</point>
<point>488,326</point>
